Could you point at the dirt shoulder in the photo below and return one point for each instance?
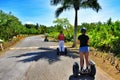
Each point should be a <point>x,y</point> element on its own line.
<point>10,43</point>
<point>107,67</point>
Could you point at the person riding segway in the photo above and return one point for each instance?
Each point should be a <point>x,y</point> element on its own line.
<point>61,49</point>
<point>89,68</point>
<point>84,49</point>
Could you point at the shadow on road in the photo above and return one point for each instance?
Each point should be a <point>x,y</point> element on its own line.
<point>72,55</point>
<point>82,77</point>
<point>47,53</point>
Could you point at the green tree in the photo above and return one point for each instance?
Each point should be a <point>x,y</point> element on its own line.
<point>109,21</point>
<point>76,5</point>
<point>37,26</point>
<point>43,29</point>
<point>62,23</point>
<point>9,26</point>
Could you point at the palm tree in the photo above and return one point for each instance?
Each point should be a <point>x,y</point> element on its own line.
<point>76,5</point>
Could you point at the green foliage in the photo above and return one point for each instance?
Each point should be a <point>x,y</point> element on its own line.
<point>9,26</point>
<point>53,35</point>
<point>42,29</point>
<point>61,24</point>
<point>69,31</point>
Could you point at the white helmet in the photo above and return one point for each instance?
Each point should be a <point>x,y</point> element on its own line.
<point>83,29</point>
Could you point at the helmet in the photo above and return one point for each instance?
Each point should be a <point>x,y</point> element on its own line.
<point>83,29</point>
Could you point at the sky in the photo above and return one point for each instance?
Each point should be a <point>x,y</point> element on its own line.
<point>41,12</point>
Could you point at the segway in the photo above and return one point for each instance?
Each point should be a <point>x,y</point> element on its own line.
<point>46,39</point>
<point>91,73</point>
<point>60,52</point>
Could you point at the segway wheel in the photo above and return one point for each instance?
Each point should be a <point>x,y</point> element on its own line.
<point>75,69</point>
<point>92,69</point>
<point>65,51</point>
<point>57,51</point>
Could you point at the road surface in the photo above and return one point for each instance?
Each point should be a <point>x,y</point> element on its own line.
<point>34,59</point>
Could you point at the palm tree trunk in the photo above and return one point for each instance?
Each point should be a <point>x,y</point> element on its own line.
<point>75,29</point>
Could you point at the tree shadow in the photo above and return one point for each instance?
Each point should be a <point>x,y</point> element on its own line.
<point>72,55</point>
<point>81,77</point>
<point>48,54</point>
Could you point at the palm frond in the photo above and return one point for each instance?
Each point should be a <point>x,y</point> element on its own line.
<point>64,7</point>
<point>91,4</point>
<point>55,2</point>
<point>73,3</point>
<point>59,11</point>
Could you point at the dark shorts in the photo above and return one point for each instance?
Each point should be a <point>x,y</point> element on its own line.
<point>84,49</point>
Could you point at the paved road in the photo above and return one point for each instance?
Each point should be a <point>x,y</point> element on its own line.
<point>34,59</point>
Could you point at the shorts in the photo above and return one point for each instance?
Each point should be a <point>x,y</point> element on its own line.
<point>84,49</point>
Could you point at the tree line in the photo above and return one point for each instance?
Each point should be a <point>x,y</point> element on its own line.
<point>10,26</point>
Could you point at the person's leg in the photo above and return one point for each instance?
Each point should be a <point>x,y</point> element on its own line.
<point>81,60</point>
<point>62,45</point>
<point>87,59</point>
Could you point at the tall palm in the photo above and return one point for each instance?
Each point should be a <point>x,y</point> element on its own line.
<point>76,5</point>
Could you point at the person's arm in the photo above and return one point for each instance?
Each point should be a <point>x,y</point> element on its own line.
<point>88,41</point>
<point>64,37</point>
<point>78,41</point>
<point>58,37</point>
